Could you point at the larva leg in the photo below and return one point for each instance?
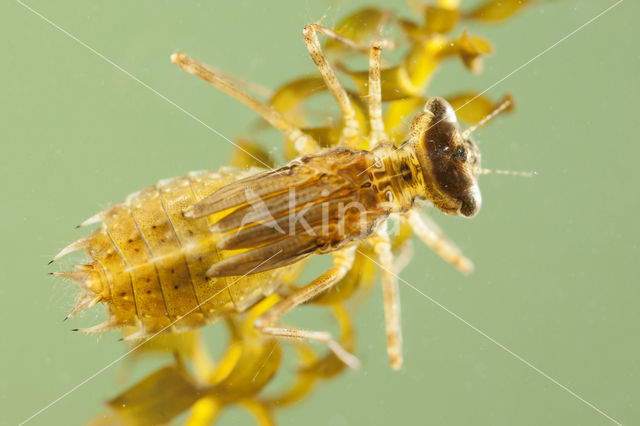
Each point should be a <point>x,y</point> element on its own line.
<point>391,295</point>
<point>431,235</point>
<point>352,44</point>
<point>375,95</point>
<point>403,258</point>
<point>358,47</point>
<point>351,131</point>
<point>243,84</point>
<point>342,262</point>
<point>303,143</point>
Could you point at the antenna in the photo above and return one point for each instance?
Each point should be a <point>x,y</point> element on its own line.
<point>506,103</point>
<point>503,172</point>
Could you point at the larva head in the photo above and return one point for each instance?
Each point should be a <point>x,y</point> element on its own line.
<point>448,158</point>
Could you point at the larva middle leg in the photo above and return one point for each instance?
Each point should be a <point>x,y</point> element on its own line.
<point>351,130</point>
<point>378,134</point>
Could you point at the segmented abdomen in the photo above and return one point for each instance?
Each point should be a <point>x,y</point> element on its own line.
<point>149,263</point>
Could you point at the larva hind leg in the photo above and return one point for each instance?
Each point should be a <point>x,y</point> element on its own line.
<point>342,263</point>
<point>351,130</point>
<point>433,237</point>
<point>303,142</point>
<point>382,247</point>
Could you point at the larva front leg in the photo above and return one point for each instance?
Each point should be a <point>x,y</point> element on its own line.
<point>382,246</point>
<point>431,235</point>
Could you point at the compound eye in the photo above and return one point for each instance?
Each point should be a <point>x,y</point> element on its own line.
<point>460,154</point>
<point>470,202</point>
<point>469,207</point>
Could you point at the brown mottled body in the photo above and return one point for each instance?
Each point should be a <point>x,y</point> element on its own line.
<point>333,200</point>
<point>167,257</point>
<point>148,262</point>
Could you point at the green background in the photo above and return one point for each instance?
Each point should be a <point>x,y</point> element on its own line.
<point>556,256</point>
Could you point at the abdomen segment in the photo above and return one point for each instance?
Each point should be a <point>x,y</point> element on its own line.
<point>148,262</point>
